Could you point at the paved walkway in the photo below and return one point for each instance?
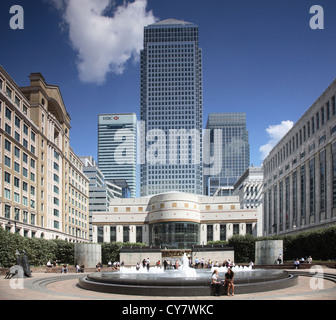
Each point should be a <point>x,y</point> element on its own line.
<point>42,286</point>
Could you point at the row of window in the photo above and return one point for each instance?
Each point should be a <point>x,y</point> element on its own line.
<point>286,204</point>
<point>317,121</point>
<point>10,93</point>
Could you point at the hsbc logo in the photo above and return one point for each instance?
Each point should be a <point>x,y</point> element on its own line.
<point>111,118</point>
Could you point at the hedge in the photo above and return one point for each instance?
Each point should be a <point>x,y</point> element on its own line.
<point>39,251</point>
<point>319,243</point>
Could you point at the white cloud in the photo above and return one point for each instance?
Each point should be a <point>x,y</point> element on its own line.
<point>104,43</point>
<point>275,133</point>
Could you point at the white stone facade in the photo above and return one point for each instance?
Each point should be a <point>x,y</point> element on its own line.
<point>160,219</point>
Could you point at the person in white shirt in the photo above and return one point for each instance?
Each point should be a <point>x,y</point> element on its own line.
<point>216,283</point>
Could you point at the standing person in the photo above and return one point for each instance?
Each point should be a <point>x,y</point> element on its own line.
<point>229,281</point>
<point>147,264</point>
<point>216,283</point>
<point>280,259</point>
<point>196,263</point>
<point>202,263</point>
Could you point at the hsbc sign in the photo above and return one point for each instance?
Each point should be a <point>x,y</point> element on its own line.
<point>111,118</point>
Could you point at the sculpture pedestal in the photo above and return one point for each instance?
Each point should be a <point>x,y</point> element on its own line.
<point>268,251</point>
<point>88,254</point>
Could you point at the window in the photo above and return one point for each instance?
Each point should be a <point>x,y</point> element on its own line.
<point>17,152</point>
<point>8,129</point>
<point>312,187</point>
<point>7,145</point>
<point>16,197</point>
<point>9,92</point>
<point>7,211</point>
<point>222,232</point>
<point>7,177</point>
<point>7,193</point>
<point>16,182</point>
<point>17,122</point>
<point>8,114</point>
<point>139,234</point>
<point>113,234</point>
<point>16,167</point>
<point>322,184</point>
<point>209,232</point>
<point>126,230</point>
<point>7,161</point>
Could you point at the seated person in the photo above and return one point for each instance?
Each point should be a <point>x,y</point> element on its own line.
<point>229,281</point>
<point>216,283</point>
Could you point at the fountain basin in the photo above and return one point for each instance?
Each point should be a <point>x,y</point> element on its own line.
<point>172,283</point>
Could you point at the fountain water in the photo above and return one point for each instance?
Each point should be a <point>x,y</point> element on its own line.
<point>184,281</point>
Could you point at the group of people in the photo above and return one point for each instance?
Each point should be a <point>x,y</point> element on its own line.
<point>228,282</point>
<point>302,260</point>
<point>210,263</point>
<point>65,268</point>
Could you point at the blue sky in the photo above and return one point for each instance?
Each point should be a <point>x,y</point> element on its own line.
<point>260,57</point>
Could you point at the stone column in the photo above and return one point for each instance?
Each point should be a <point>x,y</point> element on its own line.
<point>145,234</point>
<point>203,234</point>
<point>120,230</point>
<point>94,234</point>
<point>229,230</point>
<point>216,232</point>
<point>132,233</point>
<point>107,233</point>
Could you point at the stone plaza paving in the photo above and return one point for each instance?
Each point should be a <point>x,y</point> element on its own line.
<point>46,286</point>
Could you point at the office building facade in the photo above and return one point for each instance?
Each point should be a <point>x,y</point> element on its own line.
<point>171,108</point>
<point>228,147</point>
<point>117,143</point>
<point>300,172</point>
<point>101,192</point>
<point>174,220</point>
<point>44,192</point>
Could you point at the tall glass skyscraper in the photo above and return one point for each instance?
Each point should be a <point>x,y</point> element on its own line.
<point>117,147</point>
<point>229,148</point>
<point>171,108</point>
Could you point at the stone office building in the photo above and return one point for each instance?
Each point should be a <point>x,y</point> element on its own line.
<point>300,172</point>
<point>43,190</point>
<point>175,220</point>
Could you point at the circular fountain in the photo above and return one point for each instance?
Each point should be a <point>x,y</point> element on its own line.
<point>184,281</point>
